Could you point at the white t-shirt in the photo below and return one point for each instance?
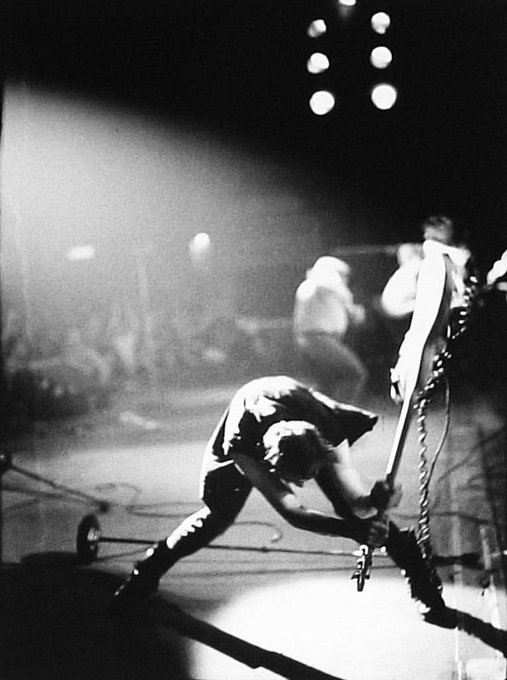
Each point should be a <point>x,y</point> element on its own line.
<point>323,304</point>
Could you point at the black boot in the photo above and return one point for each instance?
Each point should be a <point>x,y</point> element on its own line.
<point>145,577</point>
<point>423,579</point>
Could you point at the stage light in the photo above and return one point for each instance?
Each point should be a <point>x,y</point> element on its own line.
<point>81,253</point>
<point>347,3</point>
<point>380,22</point>
<point>381,57</point>
<point>384,96</point>
<point>201,241</point>
<point>199,245</point>
<point>199,249</point>
<point>317,28</point>
<point>322,102</point>
<point>317,63</point>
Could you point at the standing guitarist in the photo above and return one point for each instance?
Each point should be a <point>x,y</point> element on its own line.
<point>440,290</point>
<point>441,286</point>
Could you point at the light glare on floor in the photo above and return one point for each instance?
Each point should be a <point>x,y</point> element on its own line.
<point>320,621</point>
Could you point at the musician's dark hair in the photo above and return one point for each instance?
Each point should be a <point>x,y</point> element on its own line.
<point>295,446</point>
<point>448,230</point>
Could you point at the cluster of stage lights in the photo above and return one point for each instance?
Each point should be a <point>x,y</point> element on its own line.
<point>383,95</point>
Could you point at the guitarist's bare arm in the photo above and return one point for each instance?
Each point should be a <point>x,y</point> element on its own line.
<point>363,501</point>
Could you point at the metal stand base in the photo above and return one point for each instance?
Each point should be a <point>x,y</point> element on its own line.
<point>6,464</point>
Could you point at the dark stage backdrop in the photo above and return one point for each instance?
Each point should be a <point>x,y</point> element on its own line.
<point>239,68</point>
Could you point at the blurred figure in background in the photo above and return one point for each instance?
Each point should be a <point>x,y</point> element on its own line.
<point>83,369</point>
<point>324,310</point>
<point>123,333</point>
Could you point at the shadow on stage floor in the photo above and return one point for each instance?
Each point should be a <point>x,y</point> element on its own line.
<point>54,624</point>
<point>143,457</point>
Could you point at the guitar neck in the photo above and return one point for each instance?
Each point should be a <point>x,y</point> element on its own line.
<point>400,436</point>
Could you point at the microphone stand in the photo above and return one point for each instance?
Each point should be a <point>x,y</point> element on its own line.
<point>6,464</point>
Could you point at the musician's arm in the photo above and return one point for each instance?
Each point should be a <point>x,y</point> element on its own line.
<point>364,501</point>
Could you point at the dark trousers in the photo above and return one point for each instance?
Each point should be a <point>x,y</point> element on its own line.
<point>224,492</point>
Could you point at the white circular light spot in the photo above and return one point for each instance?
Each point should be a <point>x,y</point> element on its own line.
<point>381,57</point>
<point>384,96</point>
<point>317,28</point>
<point>322,102</point>
<point>317,63</point>
<point>81,253</point>
<point>380,22</point>
<point>201,241</point>
<point>199,249</point>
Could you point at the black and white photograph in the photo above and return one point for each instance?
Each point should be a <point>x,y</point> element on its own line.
<point>253,321</point>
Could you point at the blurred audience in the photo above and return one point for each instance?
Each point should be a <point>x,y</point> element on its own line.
<point>91,370</point>
<point>123,330</point>
<point>75,365</point>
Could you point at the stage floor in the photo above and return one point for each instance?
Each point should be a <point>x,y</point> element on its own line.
<point>267,600</point>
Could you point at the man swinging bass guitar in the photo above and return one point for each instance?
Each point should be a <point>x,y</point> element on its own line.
<point>277,433</point>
